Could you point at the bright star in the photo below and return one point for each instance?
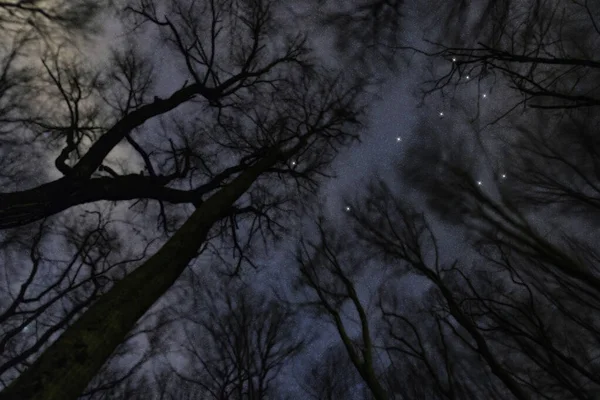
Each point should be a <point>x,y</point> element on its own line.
<point>441,113</point>
<point>293,162</point>
<point>484,95</point>
<point>398,139</point>
<point>453,59</point>
<point>479,183</point>
<point>347,208</point>
<point>468,77</point>
<point>503,175</point>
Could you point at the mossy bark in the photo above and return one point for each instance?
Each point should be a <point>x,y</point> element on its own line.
<point>65,369</point>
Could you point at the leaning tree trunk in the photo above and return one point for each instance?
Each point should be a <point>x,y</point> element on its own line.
<point>65,369</point>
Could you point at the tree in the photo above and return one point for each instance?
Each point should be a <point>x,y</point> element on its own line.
<point>51,292</point>
<point>229,341</point>
<point>517,302</point>
<point>372,33</point>
<point>521,206</point>
<point>330,281</point>
<point>272,108</point>
<point>245,138</point>
<point>544,51</point>
<point>508,325</point>
<point>126,107</point>
<point>30,29</point>
<point>236,346</point>
<point>332,377</point>
<point>402,235</point>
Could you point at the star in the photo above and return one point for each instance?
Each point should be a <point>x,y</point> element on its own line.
<point>441,113</point>
<point>484,95</point>
<point>479,183</point>
<point>453,59</point>
<point>347,208</point>
<point>503,176</point>
<point>398,139</point>
<point>293,162</point>
<point>468,77</point>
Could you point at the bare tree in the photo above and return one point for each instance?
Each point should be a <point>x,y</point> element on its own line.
<point>29,28</point>
<point>512,313</point>
<point>539,54</point>
<point>236,345</point>
<point>370,33</point>
<point>542,55</point>
<point>332,376</point>
<point>274,126</point>
<point>224,342</point>
<point>555,164</point>
<point>95,116</point>
<point>400,234</point>
<point>526,204</point>
<point>330,279</point>
<point>46,296</point>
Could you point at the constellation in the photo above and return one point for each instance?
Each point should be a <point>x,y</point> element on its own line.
<point>442,114</point>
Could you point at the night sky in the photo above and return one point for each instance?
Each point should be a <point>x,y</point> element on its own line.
<point>472,116</point>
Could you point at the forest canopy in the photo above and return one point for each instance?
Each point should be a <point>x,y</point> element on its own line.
<point>183,216</point>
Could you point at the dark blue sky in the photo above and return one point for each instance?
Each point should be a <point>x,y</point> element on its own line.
<point>398,123</point>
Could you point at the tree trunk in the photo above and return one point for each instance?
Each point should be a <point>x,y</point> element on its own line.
<point>64,370</point>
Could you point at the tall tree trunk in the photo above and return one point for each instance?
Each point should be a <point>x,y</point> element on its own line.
<point>65,369</point>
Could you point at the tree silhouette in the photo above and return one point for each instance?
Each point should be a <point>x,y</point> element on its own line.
<point>98,112</point>
<point>236,350</point>
<point>540,54</point>
<point>331,282</point>
<point>497,323</point>
<point>332,376</point>
<point>235,165</point>
<point>225,158</point>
